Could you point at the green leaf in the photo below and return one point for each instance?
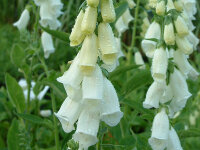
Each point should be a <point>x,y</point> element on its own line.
<point>15,93</point>
<point>121,9</point>
<point>58,34</point>
<point>140,78</point>
<point>122,69</point>
<point>189,133</point>
<point>17,55</point>
<point>12,137</point>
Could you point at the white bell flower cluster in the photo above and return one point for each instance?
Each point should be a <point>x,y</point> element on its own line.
<point>170,67</point>
<point>91,97</point>
<point>50,10</point>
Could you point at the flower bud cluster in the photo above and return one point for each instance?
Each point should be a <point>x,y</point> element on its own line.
<point>168,41</point>
<point>91,97</point>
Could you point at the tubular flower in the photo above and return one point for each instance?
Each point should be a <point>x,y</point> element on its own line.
<point>139,60</point>
<point>160,8</point>
<point>160,131</point>
<point>184,45</point>
<point>178,5</point>
<point>169,35</point>
<point>181,26</point>
<point>159,65</point>
<point>93,3</point>
<point>23,20</point>
<point>193,39</point>
<point>131,3</point>
<point>153,3</point>
<point>89,20</point>
<point>173,141</point>
<point>108,11</point>
<point>149,46</point>
<point>47,43</point>
<point>77,36</point>
<point>107,43</point>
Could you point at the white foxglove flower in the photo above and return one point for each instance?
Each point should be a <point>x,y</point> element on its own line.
<point>87,126</point>
<point>184,45</point>
<point>47,44</point>
<point>154,95</point>
<point>193,74</point>
<point>190,7</point>
<point>88,54</point>
<point>76,36</point>
<point>193,39</point>
<point>120,26</point>
<point>149,47</point>
<point>23,20</point>
<point>92,86</point>
<point>170,5</point>
<point>107,44</point>
<point>73,93</point>
<point>43,92</point>
<point>131,3</point>
<point>173,141</point>
<point>169,35</point>
<point>110,108</point>
<point>181,26</point>
<point>127,18</point>
<point>73,76</point>
<point>180,91</point>
<point>153,3</point>
<point>178,5</point>
<point>45,113</point>
<point>89,20</point>
<point>188,20</point>
<point>68,114</point>
<point>167,95</point>
<point>139,60</point>
<point>159,65</point>
<point>160,8</point>
<point>108,11</point>
<point>160,131</point>
<point>93,3</point>
<point>181,60</point>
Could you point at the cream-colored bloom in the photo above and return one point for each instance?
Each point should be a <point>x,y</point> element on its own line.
<point>88,54</point>
<point>193,40</point>
<point>47,44</point>
<point>159,65</point>
<point>68,114</point>
<point>148,46</point>
<point>45,113</point>
<point>131,3</point>
<point>181,26</point>
<point>190,7</point>
<point>107,43</point>
<point>170,5</point>
<point>73,93</point>
<point>89,20</point>
<point>23,20</point>
<point>167,95</point>
<point>154,95</point>
<point>188,20</point>
<point>173,141</point>
<point>184,45</point>
<point>73,76</point>
<point>77,36</point>
<point>92,86</point>
<point>139,60</point>
<point>110,108</point>
<point>127,18</point>
<point>160,131</point>
<point>120,26</point>
<point>93,3</point>
<point>178,5</point>
<point>169,35</point>
<point>108,11</point>
<point>160,8</point>
<point>153,3</point>
<point>87,126</point>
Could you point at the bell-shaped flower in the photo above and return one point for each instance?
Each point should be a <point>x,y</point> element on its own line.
<point>173,141</point>
<point>92,86</point>
<point>188,20</point>
<point>93,3</point>
<point>108,11</point>
<point>88,54</point>
<point>77,36</point>
<point>181,26</point>
<point>184,45</point>
<point>139,60</point>
<point>23,20</point>
<point>56,5</point>
<point>88,125</point>
<point>120,26</point>
<point>47,44</point>
<point>159,65</point>
<point>169,35</point>
<point>154,95</point>
<point>45,113</point>
<point>180,91</point>
<point>107,44</point>
<point>170,5</point>
<point>181,61</point>
<point>131,3</point>
<point>193,39</point>
<point>167,95</point>
<point>160,131</point>
<point>193,74</point>
<point>153,3</point>
<point>127,18</point>
<point>73,93</point>
<point>149,46</point>
<point>160,8</point>
<point>110,108</point>
<point>178,5</point>
<point>190,7</point>
<point>68,114</point>
<point>73,76</point>
<point>89,20</point>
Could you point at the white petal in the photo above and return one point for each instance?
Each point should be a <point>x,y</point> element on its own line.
<point>110,109</point>
<point>42,93</point>
<point>74,93</point>
<point>139,60</point>
<point>108,11</point>
<point>45,113</point>
<point>167,95</point>
<point>193,39</point>
<point>120,26</point>
<point>173,142</point>
<point>23,84</point>
<point>23,20</point>
<point>127,18</point>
